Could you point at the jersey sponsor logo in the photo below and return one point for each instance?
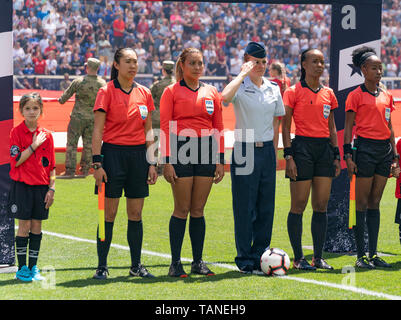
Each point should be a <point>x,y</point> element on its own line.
<point>14,151</point>
<point>387,114</point>
<point>326,110</point>
<point>209,106</point>
<point>144,111</point>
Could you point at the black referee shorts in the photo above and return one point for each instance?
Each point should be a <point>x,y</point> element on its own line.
<point>373,157</point>
<point>26,202</point>
<point>193,157</point>
<point>314,157</point>
<point>127,169</point>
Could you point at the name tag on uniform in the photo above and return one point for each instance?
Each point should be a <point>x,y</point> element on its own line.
<point>209,106</point>
<point>143,111</point>
<point>326,110</point>
<point>249,91</point>
<point>387,114</point>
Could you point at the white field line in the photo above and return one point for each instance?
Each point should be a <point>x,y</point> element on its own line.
<point>227,266</point>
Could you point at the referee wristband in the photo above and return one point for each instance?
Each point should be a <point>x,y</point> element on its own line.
<point>51,189</point>
<point>30,148</point>
<point>288,152</point>
<point>97,158</point>
<point>347,148</point>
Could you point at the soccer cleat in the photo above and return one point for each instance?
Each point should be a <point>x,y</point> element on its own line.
<point>379,262</point>
<point>24,274</point>
<point>320,263</point>
<point>177,270</point>
<point>101,273</point>
<point>364,263</point>
<point>302,264</point>
<point>200,267</point>
<point>140,271</point>
<point>36,276</point>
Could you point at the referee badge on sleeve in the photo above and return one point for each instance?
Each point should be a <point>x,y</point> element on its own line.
<point>14,151</point>
<point>326,110</point>
<point>209,106</point>
<point>387,114</point>
<point>144,111</point>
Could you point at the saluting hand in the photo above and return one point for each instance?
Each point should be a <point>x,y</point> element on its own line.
<point>169,173</point>
<point>247,67</point>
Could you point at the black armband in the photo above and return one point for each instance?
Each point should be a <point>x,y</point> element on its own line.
<point>97,158</point>
<point>347,148</point>
<point>288,152</point>
<point>221,158</point>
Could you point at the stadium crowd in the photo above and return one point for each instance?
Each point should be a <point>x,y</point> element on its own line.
<point>55,37</point>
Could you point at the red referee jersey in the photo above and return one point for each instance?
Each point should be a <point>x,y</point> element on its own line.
<point>195,113</point>
<point>36,169</point>
<point>126,112</point>
<point>372,112</point>
<point>311,109</point>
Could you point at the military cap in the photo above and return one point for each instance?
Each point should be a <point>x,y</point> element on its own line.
<point>93,63</point>
<point>256,50</point>
<point>168,65</point>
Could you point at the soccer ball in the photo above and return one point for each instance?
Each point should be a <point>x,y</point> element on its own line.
<point>275,262</point>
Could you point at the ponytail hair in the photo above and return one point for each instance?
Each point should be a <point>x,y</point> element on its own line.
<point>280,68</point>
<point>117,56</point>
<point>181,59</point>
<point>360,55</point>
<point>303,58</point>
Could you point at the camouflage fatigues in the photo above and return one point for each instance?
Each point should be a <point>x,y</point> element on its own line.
<point>81,120</point>
<point>157,90</point>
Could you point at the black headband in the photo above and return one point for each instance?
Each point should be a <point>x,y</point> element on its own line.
<point>365,56</point>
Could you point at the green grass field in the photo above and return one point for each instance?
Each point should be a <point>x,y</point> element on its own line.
<point>69,253</point>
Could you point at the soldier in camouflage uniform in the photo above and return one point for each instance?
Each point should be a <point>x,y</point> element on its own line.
<point>81,118</point>
<point>157,90</point>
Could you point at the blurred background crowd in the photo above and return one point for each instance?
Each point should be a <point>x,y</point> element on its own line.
<point>56,37</point>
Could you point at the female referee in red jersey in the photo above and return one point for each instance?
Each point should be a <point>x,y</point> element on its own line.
<point>191,125</point>
<point>312,158</point>
<point>123,121</point>
<point>369,108</point>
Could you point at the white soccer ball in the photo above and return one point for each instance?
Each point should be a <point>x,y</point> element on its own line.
<point>275,262</point>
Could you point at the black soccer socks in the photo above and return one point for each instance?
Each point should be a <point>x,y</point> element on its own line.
<point>318,228</point>
<point>373,224</point>
<point>294,227</point>
<point>103,247</point>
<point>197,229</point>
<point>134,237</point>
<point>177,232</point>
<point>34,247</point>
<point>359,233</point>
<point>21,244</point>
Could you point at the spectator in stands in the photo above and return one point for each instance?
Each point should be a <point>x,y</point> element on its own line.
<point>118,32</point>
<point>36,84</point>
<point>65,83</point>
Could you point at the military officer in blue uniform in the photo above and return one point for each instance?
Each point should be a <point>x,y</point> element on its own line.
<point>257,105</point>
